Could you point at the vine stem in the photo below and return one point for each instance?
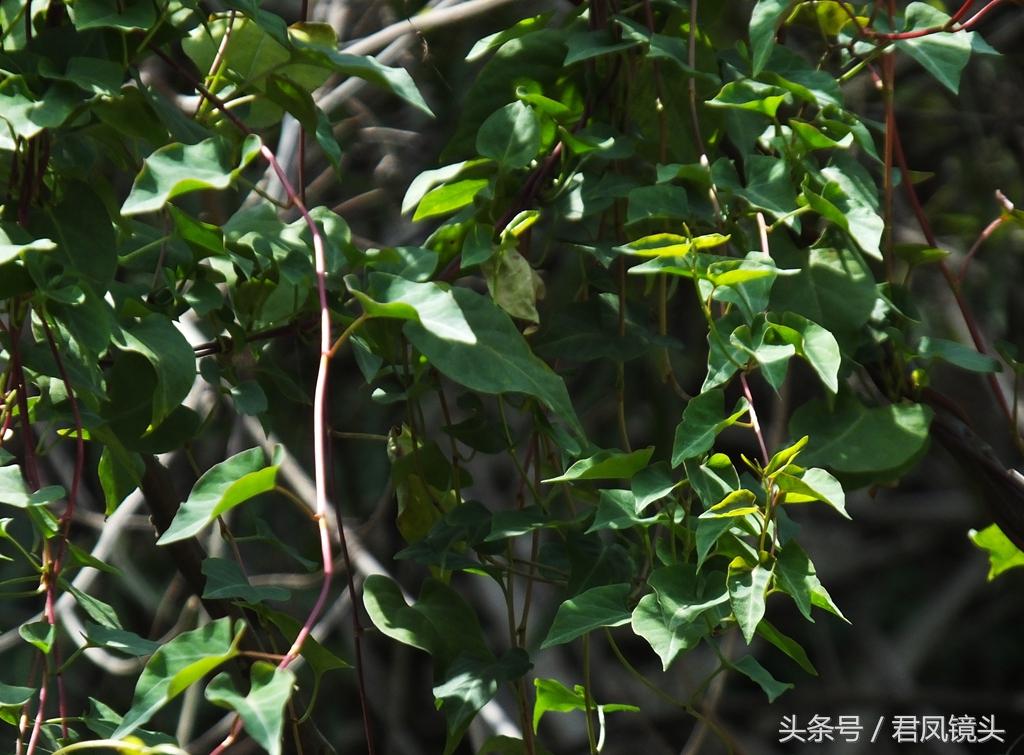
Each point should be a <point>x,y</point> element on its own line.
<point>991,228</point>
<point>755,424</point>
<point>951,281</point>
<point>319,413</point>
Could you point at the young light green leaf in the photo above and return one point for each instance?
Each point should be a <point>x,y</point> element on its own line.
<point>1002,553</point>
<point>224,486</point>
<point>602,606</point>
<point>552,695</point>
<point>814,485</point>
<point>606,465</point>
<point>182,168</point>
<point>751,96</point>
<point>739,503</point>
<point>448,198</point>
<point>262,710</point>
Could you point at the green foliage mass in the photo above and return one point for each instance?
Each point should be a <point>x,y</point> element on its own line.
<point>629,197</point>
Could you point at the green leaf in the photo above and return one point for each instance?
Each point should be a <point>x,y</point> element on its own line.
<point>448,198</point>
<point>606,465</point>
<point>796,576</point>
<point>787,645</point>
<point>28,116</point>
<point>616,510</point>
<point>943,55</point>
<point>496,40</point>
<point>224,486</point>
<point>657,203</point>
<point>174,667</point>
<point>671,618</point>
<point>13,490</point>
<point>552,695</point>
<point>814,485</point>
<point>879,442</point>
<point>702,422</point>
<point>651,484</point>
<point>226,580</point>
<point>747,588</point>
<point>389,612</point>
<point>1002,553</point>
<point>957,354</point>
<point>120,640</point>
<point>765,21</point>
<point>262,710</point>
<point>739,503</point>
<point>835,289</point>
<point>499,362</point>
<point>849,199</point>
<point>586,45</point>
<point>38,633</point>
<point>14,242</point>
<point>513,284</point>
<point>128,15</point>
<point>173,360</point>
<point>429,304</point>
<point>15,697</point>
<point>182,168</point>
<point>749,666</point>
<point>769,186</point>
<point>100,612</point>
<point>471,683</point>
<point>395,80</point>
<point>751,96</point>
<point>818,346</point>
<point>602,606</point>
<point>511,136</point>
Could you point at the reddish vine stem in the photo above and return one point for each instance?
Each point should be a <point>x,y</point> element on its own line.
<point>982,238</point>
<point>319,399</point>
<point>951,281</point>
<point>889,97</point>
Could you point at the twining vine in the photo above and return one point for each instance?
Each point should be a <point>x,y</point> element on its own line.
<point>619,180</point>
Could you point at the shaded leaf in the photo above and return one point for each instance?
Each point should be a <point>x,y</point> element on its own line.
<point>602,606</point>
